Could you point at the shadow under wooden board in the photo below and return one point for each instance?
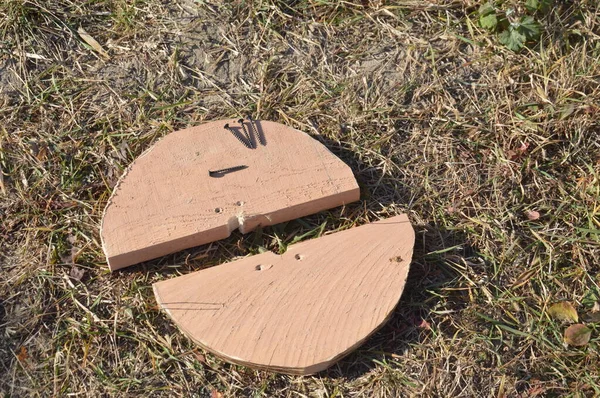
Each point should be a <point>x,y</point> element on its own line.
<point>196,186</point>
<point>299,312</point>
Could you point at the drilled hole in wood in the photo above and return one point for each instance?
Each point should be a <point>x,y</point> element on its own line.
<point>263,267</point>
<point>239,203</point>
<point>298,257</point>
<point>218,210</point>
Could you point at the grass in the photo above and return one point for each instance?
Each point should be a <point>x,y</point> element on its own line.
<point>436,118</point>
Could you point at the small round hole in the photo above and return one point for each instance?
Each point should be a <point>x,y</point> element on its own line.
<point>298,257</point>
<point>263,267</point>
<point>218,210</point>
<point>239,203</point>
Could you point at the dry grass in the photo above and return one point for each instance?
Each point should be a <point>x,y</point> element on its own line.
<point>435,118</point>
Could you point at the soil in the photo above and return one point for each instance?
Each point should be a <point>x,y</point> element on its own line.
<point>10,84</point>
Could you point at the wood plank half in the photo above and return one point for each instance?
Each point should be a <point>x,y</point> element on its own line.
<point>299,312</point>
<point>197,185</point>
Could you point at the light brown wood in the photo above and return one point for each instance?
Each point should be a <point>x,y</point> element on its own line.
<point>167,201</point>
<point>299,312</point>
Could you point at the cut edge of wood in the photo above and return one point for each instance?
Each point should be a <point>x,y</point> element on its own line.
<point>242,222</point>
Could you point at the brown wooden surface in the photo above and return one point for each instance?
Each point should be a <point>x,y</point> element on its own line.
<point>167,201</point>
<point>301,311</point>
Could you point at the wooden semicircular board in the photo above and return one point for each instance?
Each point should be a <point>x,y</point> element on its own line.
<point>197,185</point>
<point>299,312</point>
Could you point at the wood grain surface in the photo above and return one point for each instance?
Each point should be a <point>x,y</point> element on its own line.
<point>197,185</point>
<point>299,312</point>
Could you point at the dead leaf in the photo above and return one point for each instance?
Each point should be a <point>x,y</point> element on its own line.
<point>42,154</point>
<point>563,311</point>
<point>567,111</point>
<point>532,215</point>
<point>594,314</point>
<point>22,356</point>
<point>536,391</point>
<point>578,335</point>
<point>199,356</point>
<point>593,317</point>
<point>424,325</point>
<point>523,148</point>
<point>514,154</point>
<point>537,388</point>
<point>92,42</point>
<point>77,273</point>
<point>216,394</point>
<point>542,93</point>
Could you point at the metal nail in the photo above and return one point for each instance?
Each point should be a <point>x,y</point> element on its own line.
<point>237,135</point>
<point>222,172</point>
<point>256,131</point>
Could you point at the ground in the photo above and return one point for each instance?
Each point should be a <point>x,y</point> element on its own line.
<point>493,154</point>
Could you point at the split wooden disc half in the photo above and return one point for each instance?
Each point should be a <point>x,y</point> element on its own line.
<point>299,312</point>
<point>197,185</point>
